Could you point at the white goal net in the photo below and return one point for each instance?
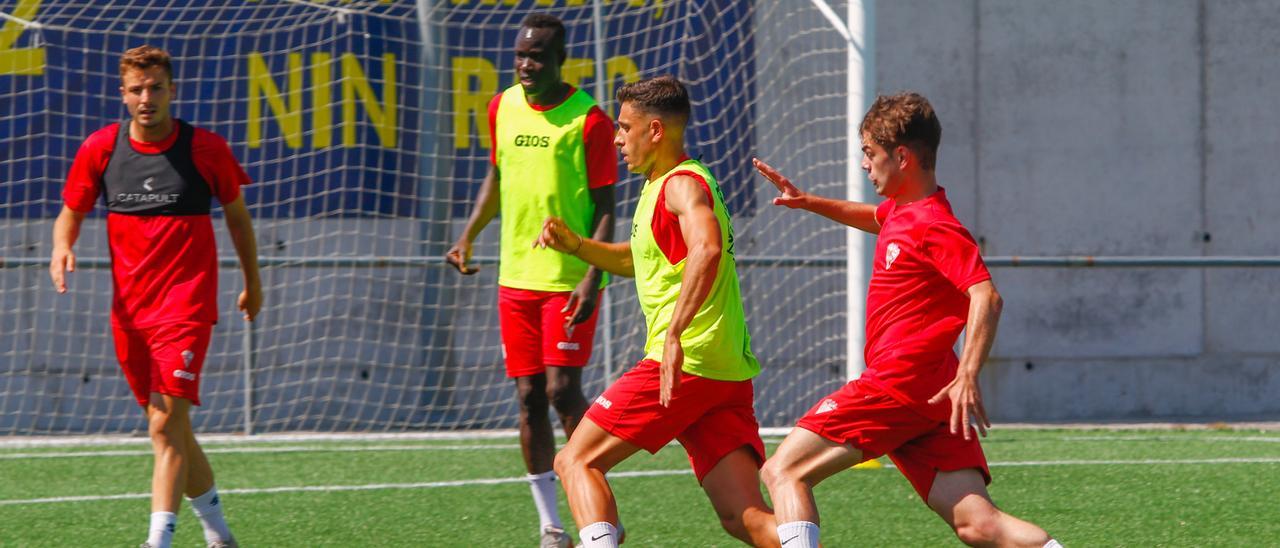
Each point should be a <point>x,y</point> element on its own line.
<point>363,126</point>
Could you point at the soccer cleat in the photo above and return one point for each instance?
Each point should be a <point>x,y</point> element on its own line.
<point>555,537</point>
<point>145,545</point>
<point>229,543</point>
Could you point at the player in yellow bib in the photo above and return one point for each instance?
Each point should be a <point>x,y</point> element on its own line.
<point>552,155</point>
<point>694,383</point>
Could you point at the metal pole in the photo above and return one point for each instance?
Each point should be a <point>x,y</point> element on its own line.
<point>763,261</point>
<point>859,247</point>
<point>597,25</point>
<point>607,319</point>
<point>247,373</point>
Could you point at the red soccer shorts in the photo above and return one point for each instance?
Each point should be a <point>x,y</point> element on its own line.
<point>865,417</point>
<point>710,418</point>
<point>166,359</point>
<point>533,334</point>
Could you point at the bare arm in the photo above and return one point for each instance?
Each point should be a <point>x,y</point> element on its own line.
<point>985,305</point>
<point>687,200</point>
<point>855,214</point>
<point>240,225</point>
<point>582,302</point>
<point>614,258</point>
<point>66,230</point>
<point>485,209</point>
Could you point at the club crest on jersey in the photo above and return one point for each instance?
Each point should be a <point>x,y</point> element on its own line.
<point>187,356</point>
<point>828,405</point>
<point>891,254</point>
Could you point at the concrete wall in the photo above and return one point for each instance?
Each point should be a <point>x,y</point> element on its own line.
<point>1141,127</point>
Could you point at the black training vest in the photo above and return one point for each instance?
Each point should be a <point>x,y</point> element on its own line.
<point>155,184</point>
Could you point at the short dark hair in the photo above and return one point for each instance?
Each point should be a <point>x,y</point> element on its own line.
<point>661,95</point>
<point>547,21</point>
<point>145,57</point>
<point>905,119</point>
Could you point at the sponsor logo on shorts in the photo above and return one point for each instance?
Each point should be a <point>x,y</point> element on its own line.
<point>564,345</point>
<point>146,183</point>
<point>603,402</point>
<point>891,254</point>
<point>184,374</point>
<point>828,405</point>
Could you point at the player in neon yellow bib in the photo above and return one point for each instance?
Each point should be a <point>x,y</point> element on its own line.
<point>552,155</point>
<point>694,384</point>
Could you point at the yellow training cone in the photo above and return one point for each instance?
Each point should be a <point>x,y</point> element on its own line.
<point>868,465</point>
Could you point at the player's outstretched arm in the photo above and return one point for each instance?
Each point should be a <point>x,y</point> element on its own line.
<point>240,225</point>
<point>66,230</point>
<point>855,214</point>
<point>614,258</point>
<point>484,210</point>
<point>980,333</point>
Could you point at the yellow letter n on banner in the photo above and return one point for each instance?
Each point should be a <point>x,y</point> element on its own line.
<point>20,61</point>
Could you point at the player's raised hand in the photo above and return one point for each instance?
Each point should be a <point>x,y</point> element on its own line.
<point>62,262</point>
<point>458,255</point>
<point>791,196</point>
<point>669,371</point>
<point>556,235</point>
<point>966,405</point>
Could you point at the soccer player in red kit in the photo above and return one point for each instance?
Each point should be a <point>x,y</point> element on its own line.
<point>157,176</point>
<point>916,400</point>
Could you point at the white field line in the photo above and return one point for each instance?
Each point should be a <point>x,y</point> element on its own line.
<point>1123,462</point>
<point>335,488</point>
<point>250,449</point>
<point>21,442</point>
<point>634,474</point>
<point>1158,437</point>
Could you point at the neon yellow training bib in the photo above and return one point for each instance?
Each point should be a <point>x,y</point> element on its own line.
<point>716,344</point>
<point>542,164</point>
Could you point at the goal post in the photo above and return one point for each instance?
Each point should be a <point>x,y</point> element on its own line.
<point>363,126</point>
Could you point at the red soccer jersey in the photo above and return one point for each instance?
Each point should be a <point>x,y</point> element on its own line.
<point>164,268</point>
<point>916,302</point>
<point>597,139</point>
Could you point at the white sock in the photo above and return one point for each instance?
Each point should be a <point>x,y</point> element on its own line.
<point>600,534</point>
<point>543,487</point>
<point>162,527</point>
<point>208,508</point>
<point>798,534</point>
<point>1052,544</point>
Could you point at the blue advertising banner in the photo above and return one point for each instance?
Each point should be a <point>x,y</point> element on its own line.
<point>326,107</point>
<point>706,43</point>
<point>310,101</point>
